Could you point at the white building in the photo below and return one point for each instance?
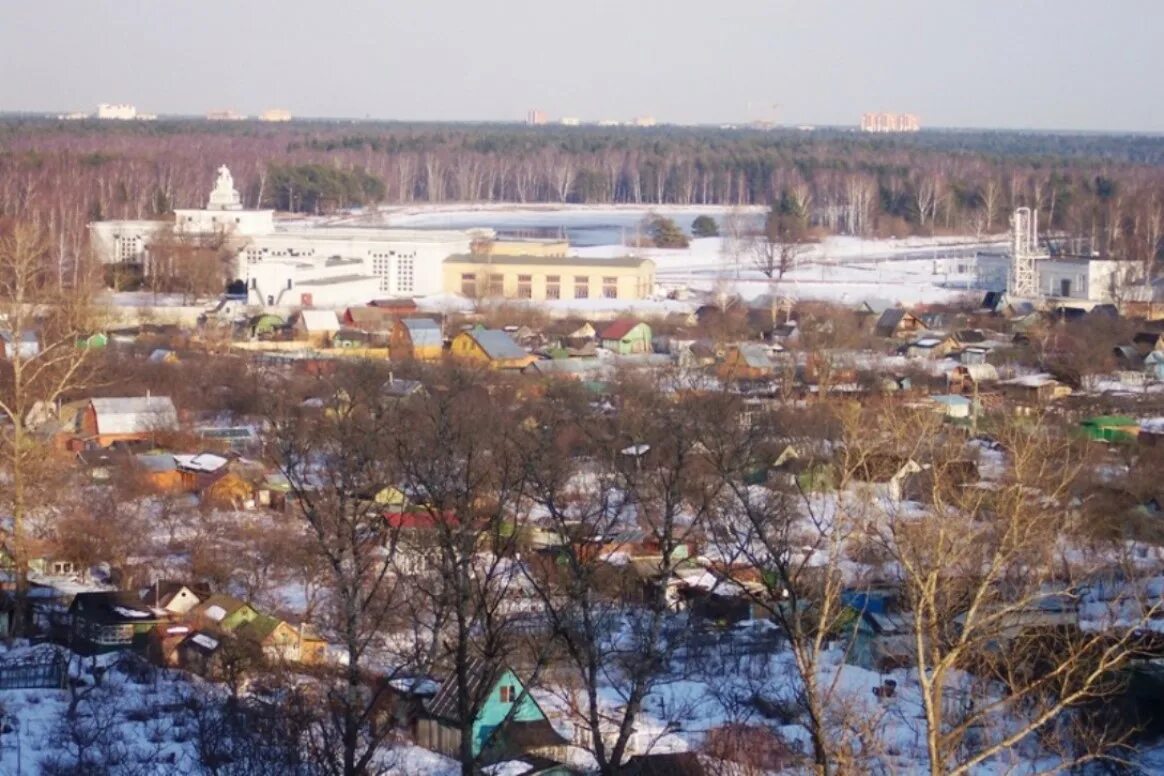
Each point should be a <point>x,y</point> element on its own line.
<point>299,265</point>
<point>275,114</point>
<point>116,112</point>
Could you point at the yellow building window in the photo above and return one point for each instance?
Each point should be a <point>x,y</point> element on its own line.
<point>525,286</point>
<point>496,285</point>
<point>610,288</point>
<point>581,287</point>
<point>469,284</point>
<point>553,286</point>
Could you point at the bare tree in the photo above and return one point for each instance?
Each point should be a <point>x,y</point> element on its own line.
<point>336,463</point>
<point>42,365</point>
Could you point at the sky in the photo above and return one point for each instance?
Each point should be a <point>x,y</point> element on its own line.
<point>1022,64</point>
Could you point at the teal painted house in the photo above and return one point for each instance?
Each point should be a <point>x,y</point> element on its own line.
<point>508,721</point>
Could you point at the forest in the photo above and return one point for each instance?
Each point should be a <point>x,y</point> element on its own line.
<point>1106,188</point>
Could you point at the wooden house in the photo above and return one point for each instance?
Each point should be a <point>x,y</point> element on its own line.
<point>416,339</point>
<point>174,597</point>
<point>1147,342</point>
<point>935,347</point>
<point>490,347</point>
<point>669,764</point>
<point>500,731</point>
<point>222,613</point>
<point>158,471</point>
<point>369,318</point>
<point>626,336</point>
<point>106,421</point>
<point>896,322</point>
<point>107,621</point>
<point>968,378</point>
<point>280,641</point>
<point>748,361</point>
<point>1032,390</point>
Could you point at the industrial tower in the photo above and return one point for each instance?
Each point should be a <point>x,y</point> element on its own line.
<point>1023,281</point>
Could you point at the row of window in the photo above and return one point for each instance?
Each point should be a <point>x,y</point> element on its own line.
<point>495,286</point>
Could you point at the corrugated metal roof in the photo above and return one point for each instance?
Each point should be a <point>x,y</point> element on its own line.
<point>424,332</point>
<point>135,414</point>
<point>497,344</point>
<point>480,680</point>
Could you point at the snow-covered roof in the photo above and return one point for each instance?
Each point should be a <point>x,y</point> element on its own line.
<point>215,612</point>
<point>202,462</point>
<point>1032,381</point>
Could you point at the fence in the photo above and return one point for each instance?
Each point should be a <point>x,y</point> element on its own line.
<point>47,671</point>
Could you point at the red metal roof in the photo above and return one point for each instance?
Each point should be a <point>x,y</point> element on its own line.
<point>618,329</point>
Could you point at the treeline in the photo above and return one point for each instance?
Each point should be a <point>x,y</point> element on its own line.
<point>1106,188</point>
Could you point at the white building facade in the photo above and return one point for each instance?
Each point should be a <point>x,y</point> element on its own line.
<point>299,265</point>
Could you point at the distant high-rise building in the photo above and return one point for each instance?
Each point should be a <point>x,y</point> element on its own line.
<point>275,114</point>
<point>570,121</point>
<point>889,122</point>
<point>644,121</point>
<point>535,118</point>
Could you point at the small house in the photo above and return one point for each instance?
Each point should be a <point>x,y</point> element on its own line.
<point>22,346</point>
<point>127,419</point>
<point>222,612</point>
<point>490,347</point>
<point>968,378</point>
<point>316,326</point>
<point>748,361</point>
<point>107,621</point>
<point>1034,389</point>
<point>886,473</point>
<point>1154,365</point>
<point>1146,342</point>
<point>931,347</point>
<point>264,325</point>
<point>626,336</point>
<point>416,339</point>
<point>897,322</point>
<point>374,320</point>
<point>174,597</point>
<point>499,730</point>
<point>278,640</point>
<point>159,472</point>
<point>952,406</point>
<point>351,338</point>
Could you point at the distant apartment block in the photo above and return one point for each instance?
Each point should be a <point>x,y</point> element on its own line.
<point>645,121</point>
<point>889,122</point>
<point>571,121</point>
<point>224,115</point>
<point>275,114</point>
<point>118,112</point>
<point>535,118</point>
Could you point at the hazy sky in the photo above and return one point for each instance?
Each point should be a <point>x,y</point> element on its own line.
<point>1070,64</point>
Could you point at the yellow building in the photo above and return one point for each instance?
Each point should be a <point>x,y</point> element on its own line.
<point>491,347</point>
<point>542,279</point>
<point>528,248</point>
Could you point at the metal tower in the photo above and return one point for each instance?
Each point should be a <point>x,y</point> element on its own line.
<point>1023,281</point>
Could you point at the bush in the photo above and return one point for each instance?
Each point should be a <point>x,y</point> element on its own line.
<point>665,233</point>
<point>704,226</point>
